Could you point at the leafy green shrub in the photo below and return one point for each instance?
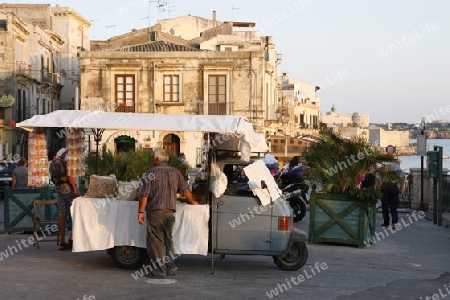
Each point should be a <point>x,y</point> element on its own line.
<point>127,166</point>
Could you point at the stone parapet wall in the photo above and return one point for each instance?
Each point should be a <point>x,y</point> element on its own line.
<point>427,188</point>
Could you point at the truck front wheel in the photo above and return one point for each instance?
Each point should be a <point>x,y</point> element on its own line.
<point>128,257</point>
<point>294,259</point>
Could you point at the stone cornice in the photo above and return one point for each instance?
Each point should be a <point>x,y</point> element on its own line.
<point>170,104</point>
<point>68,12</point>
<point>218,66</point>
<point>55,37</point>
<point>20,27</point>
<point>124,66</point>
<point>170,67</point>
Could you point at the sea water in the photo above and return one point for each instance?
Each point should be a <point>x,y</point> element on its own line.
<point>413,161</point>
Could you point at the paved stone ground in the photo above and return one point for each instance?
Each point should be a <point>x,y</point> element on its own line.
<point>409,264</point>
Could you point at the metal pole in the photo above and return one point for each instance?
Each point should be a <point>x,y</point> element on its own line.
<point>212,202</point>
<point>439,187</point>
<point>97,138</point>
<point>435,182</point>
<point>96,158</point>
<point>422,206</point>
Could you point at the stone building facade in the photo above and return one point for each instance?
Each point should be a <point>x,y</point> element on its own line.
<point>298,107</point>
<point>28,75</point>
<point>384,138</point>
<point>207,70</point>
<point>35,47</point>
<point>334,118</point>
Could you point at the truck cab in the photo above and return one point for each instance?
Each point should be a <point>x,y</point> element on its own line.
<point>242,225</point>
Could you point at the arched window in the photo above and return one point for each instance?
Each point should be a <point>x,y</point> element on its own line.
<point>125,143</point>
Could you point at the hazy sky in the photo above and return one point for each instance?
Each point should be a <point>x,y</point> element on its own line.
<point>389,59</point>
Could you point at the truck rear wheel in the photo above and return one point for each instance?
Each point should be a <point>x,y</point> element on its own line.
<point>294,259</point>
<point>128,257</point>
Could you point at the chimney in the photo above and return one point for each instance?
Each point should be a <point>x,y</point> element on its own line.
<point>214,18</point>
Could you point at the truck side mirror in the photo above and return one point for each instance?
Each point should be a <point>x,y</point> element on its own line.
<point>263,184</point>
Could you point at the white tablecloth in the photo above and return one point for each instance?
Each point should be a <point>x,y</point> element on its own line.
<point>101,223</point>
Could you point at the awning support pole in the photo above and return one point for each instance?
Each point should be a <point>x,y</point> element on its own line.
<point>212,202</point>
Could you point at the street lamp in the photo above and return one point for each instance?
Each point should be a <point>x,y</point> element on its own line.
<point>278,113</point>
<point>282,116</point>
<point>421,149</point>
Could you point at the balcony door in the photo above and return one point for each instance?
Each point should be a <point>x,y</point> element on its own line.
<point>217,95</point>
<point>125,92</point>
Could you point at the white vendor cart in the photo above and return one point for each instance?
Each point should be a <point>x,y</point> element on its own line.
<point>216,227</point>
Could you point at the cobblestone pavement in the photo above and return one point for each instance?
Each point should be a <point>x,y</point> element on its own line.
<point>408,264</point>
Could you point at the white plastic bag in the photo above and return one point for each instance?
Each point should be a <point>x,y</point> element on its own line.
<point>219,181</point>
<point>245,151</point>
<point>378,203</point>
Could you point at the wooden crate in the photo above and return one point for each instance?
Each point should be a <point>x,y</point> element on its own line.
<point>337,219</point>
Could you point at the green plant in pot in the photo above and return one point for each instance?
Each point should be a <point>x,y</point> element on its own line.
<point>342,212</point>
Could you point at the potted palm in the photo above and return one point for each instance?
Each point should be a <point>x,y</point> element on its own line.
<point>340,211</point>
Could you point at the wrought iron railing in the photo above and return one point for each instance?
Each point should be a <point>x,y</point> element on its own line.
<point>125,109</point>
<point>51,78</point>
<point>217,108</point>
<point>446,193</point>
<point>23,68</point>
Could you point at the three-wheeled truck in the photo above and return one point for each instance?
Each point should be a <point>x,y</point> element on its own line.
<point>249,217</point>
<point>257,229</point>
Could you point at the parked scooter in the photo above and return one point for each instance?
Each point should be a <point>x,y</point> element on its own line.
<point>290,182</point>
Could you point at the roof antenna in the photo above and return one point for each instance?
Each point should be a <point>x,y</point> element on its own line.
<point>232,11</point>
<point>148,17</point>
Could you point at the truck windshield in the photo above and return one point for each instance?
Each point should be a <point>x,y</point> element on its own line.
<point>7,167</point>
<point>237,180</point>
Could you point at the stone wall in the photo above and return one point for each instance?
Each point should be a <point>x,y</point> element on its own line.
<point>427,188</point>
<point>35,14</point>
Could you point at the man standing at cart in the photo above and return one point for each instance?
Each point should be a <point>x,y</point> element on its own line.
<point>66,189</point>
<point>158,196</point>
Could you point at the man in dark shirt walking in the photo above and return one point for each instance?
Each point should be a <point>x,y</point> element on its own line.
<point>389,203</point>
<point>158,196</point>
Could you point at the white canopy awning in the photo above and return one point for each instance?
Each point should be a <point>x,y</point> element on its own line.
<point>223,124</point>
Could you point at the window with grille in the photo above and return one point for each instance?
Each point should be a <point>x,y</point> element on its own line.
<point>171,88</point>
<point>125,91</point>
<point>217,95</point>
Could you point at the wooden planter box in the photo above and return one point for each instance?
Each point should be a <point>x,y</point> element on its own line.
<point>19,208</point>
<point>337,219</point>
